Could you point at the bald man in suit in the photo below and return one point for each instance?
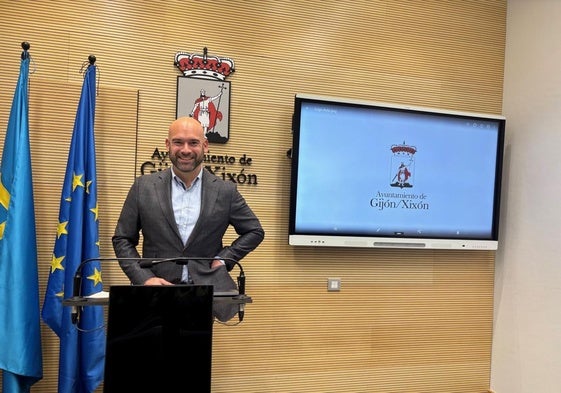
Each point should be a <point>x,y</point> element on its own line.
<point>184,211</point>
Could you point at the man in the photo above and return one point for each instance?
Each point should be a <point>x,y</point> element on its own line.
<point>184,211</point>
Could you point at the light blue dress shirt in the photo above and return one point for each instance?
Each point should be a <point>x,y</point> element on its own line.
<point>186,202</point>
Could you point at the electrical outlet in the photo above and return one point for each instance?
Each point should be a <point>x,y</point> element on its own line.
<point>333,284</point>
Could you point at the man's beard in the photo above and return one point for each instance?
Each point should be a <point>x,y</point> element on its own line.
<point>186,167</point>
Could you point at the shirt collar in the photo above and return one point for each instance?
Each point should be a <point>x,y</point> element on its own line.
<point>180,182</point>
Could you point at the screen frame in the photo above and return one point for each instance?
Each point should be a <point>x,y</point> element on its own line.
<point>296,238</point>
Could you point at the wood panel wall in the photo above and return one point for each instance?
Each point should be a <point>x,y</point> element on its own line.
<point>405,320</point>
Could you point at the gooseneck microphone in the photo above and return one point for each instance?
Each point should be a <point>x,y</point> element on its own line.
<point>147,263</point>
<point>241,291</point>
<point>76,290</point>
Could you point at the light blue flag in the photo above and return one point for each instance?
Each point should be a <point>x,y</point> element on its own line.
<point>82,344</point>
<point>20,333</point>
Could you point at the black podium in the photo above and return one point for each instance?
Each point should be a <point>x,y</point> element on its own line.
<point>159,339</point>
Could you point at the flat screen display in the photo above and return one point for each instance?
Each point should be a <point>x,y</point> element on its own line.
<point>371,174</point>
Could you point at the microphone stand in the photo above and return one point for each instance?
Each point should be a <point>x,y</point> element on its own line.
<point>147,263</point>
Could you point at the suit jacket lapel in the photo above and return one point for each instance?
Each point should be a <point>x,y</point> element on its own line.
<point>209,194</point>
<point>162,187</point>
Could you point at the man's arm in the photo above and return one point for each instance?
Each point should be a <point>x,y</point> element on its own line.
<point>247,226</point>
<point>126,239</point>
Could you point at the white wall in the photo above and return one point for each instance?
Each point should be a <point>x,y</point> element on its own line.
<point>527,333</point>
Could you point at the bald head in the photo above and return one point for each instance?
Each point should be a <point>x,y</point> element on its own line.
<point>186,123</point>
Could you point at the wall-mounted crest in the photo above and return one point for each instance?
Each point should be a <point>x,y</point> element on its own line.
<point>203,92</point>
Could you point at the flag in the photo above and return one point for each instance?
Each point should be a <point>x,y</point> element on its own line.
<point>82,345</point>
<point>20,330</point>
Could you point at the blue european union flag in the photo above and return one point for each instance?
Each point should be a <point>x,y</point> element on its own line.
<point>20,334</point>
<point>82,345</point>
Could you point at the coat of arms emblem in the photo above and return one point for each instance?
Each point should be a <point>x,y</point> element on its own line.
<point>203,92</point>
<point>403,165</point>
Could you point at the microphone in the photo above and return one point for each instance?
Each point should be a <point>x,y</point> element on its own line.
<point>241,291</point>
<point>76,288</point>
<point>146,263</point>
<point>149,262</point>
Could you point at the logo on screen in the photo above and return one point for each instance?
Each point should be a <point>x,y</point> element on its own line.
<point>402,172</point>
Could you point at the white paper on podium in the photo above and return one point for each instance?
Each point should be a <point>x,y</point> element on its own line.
<point>99,295</point>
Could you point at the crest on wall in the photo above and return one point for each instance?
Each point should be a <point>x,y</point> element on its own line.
<point>204,93</point>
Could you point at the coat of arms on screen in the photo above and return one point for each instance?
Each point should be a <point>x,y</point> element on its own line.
<point>204,93</point>
<point>402,165</point>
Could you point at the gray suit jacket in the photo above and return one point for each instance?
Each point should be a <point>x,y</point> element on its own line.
<point>148,210</point>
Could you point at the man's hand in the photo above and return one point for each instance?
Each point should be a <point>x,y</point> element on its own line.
<point>216,264</point>
<point>157,281</point>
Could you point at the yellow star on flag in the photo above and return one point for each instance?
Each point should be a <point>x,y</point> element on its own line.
<point>96,277</point>
<point>56,263</point>
<point>77,181</point>
<point>95,211</point>
<point>61,229</point>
